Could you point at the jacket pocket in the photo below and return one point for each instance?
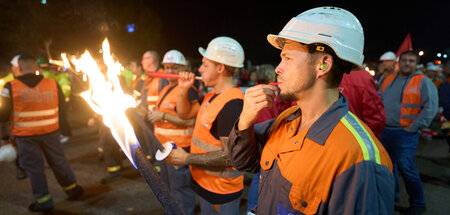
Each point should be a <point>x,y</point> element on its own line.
<point>303,200</point>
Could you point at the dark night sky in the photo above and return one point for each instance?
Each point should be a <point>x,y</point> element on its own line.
<point>190,24</point>
<point>186,25</point>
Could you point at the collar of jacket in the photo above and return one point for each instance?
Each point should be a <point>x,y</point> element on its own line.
<point>322,127</point>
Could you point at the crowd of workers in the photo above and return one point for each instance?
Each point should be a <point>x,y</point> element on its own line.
<point>324,141</point>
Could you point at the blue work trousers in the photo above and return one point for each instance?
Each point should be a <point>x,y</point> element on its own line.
<point>402,146</point>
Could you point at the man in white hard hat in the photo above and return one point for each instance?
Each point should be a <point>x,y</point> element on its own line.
<point>218,185</point>
<point>316,157</point>
<point>386,67</point>
<point>432,74</point>
<point>170,127</point>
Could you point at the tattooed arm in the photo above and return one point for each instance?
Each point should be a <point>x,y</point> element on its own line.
<point>213,160</point>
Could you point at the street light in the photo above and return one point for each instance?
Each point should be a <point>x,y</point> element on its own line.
<point>439,55</point>
<point>421,53</point>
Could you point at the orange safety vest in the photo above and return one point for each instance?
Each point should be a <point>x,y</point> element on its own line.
<point>35,110</point>
<point>166,131</point>
<point>411,100</point>
<point>221,181</point>
<point>153,91</point>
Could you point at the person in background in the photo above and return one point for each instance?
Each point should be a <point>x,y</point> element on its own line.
<point>411,102</point>
<point>36,105</point>
<point>432,74</point>
<point>386,67</point>
<point>151,87</point>
<point>170,127</point>
<point>6,127</point>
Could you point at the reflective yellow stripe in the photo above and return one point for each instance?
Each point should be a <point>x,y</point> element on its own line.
<point>70,187</point>
<point>113,168</point>
<point>100,149</point>
<point>152,98</point>
<point>44,198</point>
<point>176,132</point>
<point>36,113</point>
<point>36,123</point>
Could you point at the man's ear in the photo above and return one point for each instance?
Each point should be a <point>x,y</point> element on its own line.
<point>324,65</point>
<point>221,68</point>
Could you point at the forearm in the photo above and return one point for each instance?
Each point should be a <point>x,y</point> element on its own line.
<point>174,119</point>
<point>184,106</point>
<point>215,159</point>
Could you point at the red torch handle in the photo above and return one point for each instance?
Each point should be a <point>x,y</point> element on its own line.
<point>167,75</point>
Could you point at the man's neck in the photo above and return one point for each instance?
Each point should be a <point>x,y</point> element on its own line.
<point>314,106</point>
<point>223,83</point>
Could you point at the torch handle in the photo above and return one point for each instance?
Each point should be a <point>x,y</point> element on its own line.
<point>167,75</point>
<point>157,185</point>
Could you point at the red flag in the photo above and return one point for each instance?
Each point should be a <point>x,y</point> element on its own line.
<point>405,46</point>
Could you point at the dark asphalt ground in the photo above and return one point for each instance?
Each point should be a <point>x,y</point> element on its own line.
<point>131,195</point>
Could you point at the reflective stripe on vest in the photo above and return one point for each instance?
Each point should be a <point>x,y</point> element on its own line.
<point>36,123</point>
<point>165,130</point>
<point>35,109</point>
<point>370,150</point>
<point>152,98</point>
<point>175,132</point>
<point>411,100</point>
<point>36,113</point>
<point>223,180</point>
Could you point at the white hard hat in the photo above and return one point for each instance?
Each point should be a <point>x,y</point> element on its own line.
<point>432,67</point>
<point>15,60</point>
<point>174,56</point>
<point>333,26</point>
<point>388,56</point>
<point>224,50</point>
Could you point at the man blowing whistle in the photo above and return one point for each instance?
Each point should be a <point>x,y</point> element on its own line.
<point>316,157</point>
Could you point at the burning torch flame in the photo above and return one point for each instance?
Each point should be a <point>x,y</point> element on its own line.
<point>105,96</point>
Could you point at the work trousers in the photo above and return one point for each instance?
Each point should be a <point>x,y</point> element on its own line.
<point>31,149</point>
<point>402,146</point>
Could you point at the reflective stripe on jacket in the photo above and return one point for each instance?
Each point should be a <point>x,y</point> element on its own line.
<point>411,99</point>
<point>220,181</point>
<point>166,131</point>
<point>35,110</point>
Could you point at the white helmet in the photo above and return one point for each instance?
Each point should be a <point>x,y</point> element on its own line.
<point>388,56</point>
<point>333,26</point>
<point>15,60</point>
<point>174,56</point>
<point>432,67</point>
<point>224,50</point>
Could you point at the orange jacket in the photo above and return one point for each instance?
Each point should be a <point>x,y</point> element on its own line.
<point>336,166</point>
<point>221,181</point>
<point>35,110</point>
<point>411,102</point>
<point>166,131</point>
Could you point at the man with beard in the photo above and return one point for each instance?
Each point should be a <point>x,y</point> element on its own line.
<point>316,157</point>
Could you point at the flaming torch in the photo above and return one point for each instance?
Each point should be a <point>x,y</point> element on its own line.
<point>106,97</point>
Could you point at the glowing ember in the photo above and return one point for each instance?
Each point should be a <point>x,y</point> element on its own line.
<point>105,96</point>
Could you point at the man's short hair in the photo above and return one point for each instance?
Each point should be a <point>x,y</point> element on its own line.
<point>410,53</point>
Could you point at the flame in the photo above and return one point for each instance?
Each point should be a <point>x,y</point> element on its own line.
<point>105,96</point>
<point>65,60</point>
